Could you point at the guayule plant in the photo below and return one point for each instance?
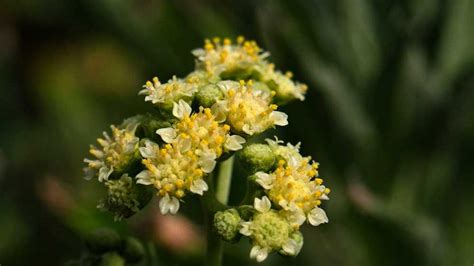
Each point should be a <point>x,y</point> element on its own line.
<point>200,122</point>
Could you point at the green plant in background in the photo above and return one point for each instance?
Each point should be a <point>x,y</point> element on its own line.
<point>187,146</point>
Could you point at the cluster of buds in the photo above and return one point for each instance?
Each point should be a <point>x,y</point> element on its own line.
<point>202,119</point>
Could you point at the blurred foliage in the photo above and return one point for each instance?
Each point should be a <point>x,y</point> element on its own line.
<point>389,114</point>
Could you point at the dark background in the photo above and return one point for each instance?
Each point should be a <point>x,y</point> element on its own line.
<point>389,115</point>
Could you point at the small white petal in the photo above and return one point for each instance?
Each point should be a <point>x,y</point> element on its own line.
<point>234,143</point>
<point>164,204</point>
<point>284,204</point>
<point>246,128</point>
<point>167,134</point>
<point>199,186</point>
<point>104,173</point>
<point>279,118</point>
<point>174,205</point>
<point>262,205</point>
<point>265,180</point>
<point>144,178</point>
<point>207,161</point>
<point>317,216</point>
<point>296,217</point>
<point>258,253</point>
<point>245,228</point>
<point>324,197</point>
<point>181,109</point>
<point>290,247</point>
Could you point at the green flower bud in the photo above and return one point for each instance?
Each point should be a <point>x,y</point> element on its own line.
<point>103,240</point>
<point>226,224</point>
<point>112,259</point>
<point>270,230</point>
<point>132,250</point>
<point>257,157</point>
<point>208,95</point>
<point>125,197</point>
<point>241,73</point>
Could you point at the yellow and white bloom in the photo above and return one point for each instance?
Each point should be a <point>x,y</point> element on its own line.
<point>218,57</point>
<point>247,110</point>
<point>294,186</point>
<point>270,231</point>
<point>164,94</point>
<point>201,131</point>
<point>285,88</point>
<point>116,153</point>
<point>173,170</point>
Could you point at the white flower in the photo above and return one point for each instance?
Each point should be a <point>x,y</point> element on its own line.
<point>265,180</point>
<point>199,186</point>
<point>234,143</point>
<point>292,247</point>
<point>145,177</point>
<point>262,205</point>
<point>169,205</point>
<point>165,94</point>
<point>247,110</point>
<point>259,253</point>
<point>167,134</point>
<point>317,216</point>
<point>181,109</point>
<point>115,153</point>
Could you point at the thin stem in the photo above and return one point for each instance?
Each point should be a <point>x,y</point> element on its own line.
<point>224,180</point>
<point>214,244</point>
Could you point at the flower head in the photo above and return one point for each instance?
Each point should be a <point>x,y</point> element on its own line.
<point>270,231</point>
<point>240,60</point>
<point>163,95</point>
<point>285,88</point>
<point>201,131</point>
<point>124,198</point>
<point>247,110</point>
<point>115,154</point>
<point>294,186</point>
<point>173,170</point>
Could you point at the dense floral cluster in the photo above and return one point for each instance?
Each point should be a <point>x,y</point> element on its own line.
<point>232,94</point>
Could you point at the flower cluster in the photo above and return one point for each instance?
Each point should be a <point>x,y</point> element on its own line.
<point>192,147</point>
<point>201,120</point>
<point>293,194</point>
<point>116,153</point>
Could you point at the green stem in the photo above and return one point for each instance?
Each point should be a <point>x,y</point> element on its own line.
<point>224,180</point>
<point>214,249</point>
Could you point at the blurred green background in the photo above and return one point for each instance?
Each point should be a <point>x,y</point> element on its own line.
<point>389,115</point>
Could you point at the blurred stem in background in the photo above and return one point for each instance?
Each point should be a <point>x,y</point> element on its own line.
<point>214,248</point>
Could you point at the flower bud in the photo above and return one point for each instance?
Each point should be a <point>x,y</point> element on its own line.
<point>208,95</point>
<point>226,224</point>
<point>125,197</point>
<point>257,157</point>
<point>103,240</point>
<point>132,250</point>
<point>112,259</point>
<point>241,74</point>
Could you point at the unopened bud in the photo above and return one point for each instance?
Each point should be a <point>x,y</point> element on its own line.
<point>257,157</point>
<point>125,197</point>
<point>112,259</point>
<point>103,240</point>
<point>132,250</point>
<point>226,224</point>
<point>208,95</point>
